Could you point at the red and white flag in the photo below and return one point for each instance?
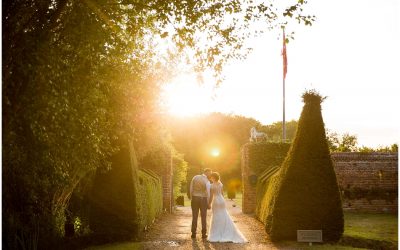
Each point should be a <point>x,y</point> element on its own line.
<point>284,56</point>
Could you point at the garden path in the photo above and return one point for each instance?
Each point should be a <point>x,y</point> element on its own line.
<point>172,231</point>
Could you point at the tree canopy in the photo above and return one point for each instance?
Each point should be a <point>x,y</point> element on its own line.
<point>349,143</point>
<point>274,130</point>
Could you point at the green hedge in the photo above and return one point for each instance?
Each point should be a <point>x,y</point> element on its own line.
<point>124,200</point>
<point>304,193</point>
<point>265,159</point>
<point>159,159</point>
<point>263,155</point>
<point>262,187</point>
<point>149,197</point>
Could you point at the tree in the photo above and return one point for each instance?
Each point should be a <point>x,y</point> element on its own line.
<point>394,148</point>
<point>304,194</point>
<point>274,131</point>
<point>196,137</point>
<point>67,98</point>
<point>341,143</point>
<point>180,167</point>
<point>79,75</point>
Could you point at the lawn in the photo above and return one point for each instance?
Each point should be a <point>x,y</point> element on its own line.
<point>303,246</point>
<point>372,226</point>
<point>363,230</point>
<point>118,246</point>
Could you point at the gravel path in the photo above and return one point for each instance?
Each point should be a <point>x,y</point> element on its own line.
<point>172,231</point>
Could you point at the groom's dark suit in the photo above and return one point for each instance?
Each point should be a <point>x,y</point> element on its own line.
<point>199,193</point>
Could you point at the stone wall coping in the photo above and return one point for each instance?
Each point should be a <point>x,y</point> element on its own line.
<point>356,156</point>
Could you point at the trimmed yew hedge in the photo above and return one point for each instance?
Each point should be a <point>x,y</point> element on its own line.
<point>124,200</point>
<point>263,155</point>
<point>304,193</point>
<point>149,197</point>
<point>265,159</point>
<point>262,188</point>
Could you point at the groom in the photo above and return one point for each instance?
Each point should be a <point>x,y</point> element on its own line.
<point>199,194</point>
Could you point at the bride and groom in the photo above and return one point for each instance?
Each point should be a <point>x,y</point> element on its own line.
<point>205,195</point>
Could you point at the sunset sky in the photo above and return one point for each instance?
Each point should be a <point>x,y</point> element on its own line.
<point>350,54</point>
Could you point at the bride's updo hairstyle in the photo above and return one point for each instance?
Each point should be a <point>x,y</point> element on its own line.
<point>215,175</point>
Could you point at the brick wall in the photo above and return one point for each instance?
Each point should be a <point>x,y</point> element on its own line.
<point>167,185</point>
<point>160,161</point>
<point>368,181</point>
<point>249,201</point>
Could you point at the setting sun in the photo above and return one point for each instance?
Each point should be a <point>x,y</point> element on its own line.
<point>186,97</point>
<point>215,152</point>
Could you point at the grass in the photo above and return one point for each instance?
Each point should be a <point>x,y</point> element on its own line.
<point>363,230</point>
<point>118,246</point>
<point>371,229</point>
<point>297,245</point>
<point>372,226</point>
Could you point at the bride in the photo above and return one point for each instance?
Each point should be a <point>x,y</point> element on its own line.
<point>222,227</point>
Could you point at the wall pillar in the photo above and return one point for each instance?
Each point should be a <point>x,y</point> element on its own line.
<point>167,183</point>
<point>249,201</point>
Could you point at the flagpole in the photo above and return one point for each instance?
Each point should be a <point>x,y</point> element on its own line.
<point>284,57</point>
<point>283,118</point>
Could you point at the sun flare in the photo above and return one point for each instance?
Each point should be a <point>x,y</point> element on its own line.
<point>215,152</point>
<point>185,97</point>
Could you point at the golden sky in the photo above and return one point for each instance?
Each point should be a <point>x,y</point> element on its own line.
<point>351,54</point>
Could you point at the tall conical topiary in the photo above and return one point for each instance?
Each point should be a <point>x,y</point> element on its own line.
<point>304,194</point>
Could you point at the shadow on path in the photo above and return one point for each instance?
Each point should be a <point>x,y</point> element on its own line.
<point>172,231</point>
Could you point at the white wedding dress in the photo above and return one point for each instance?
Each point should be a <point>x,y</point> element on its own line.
<point>222,229</point>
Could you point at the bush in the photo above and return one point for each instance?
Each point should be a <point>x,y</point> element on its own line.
<point>231,193</point>
<point>180,200</point>
<point>304,193</point>
<point>180,167</point>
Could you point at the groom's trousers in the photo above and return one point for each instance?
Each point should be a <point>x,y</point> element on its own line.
<point>199,203</point>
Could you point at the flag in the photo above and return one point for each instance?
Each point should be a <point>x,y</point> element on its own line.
<point>284,56</point>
